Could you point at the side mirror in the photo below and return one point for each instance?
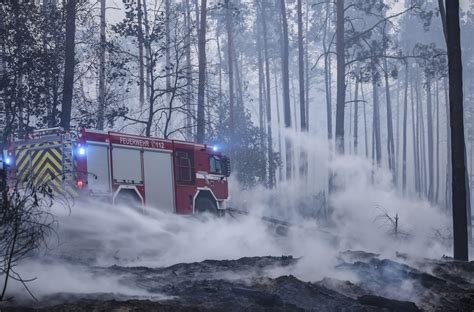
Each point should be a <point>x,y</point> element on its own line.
<point>226,166</point>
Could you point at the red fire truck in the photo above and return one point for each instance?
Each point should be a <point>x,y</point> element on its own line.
<point>171,175</point>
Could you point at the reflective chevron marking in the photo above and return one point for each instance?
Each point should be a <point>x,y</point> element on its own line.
<point>44,163</point>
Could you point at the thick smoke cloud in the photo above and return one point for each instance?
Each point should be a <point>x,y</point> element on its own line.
<point>97,234</point>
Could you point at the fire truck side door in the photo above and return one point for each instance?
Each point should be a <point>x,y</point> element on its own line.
<point>98,166</point>
<point>159,189</point>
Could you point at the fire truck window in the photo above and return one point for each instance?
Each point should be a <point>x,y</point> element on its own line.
<point>215,164</point>
<point>184,162</point>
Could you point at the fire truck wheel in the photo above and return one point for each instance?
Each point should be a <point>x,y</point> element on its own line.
<point>204,204</point>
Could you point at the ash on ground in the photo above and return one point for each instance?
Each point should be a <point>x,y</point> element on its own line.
<point>247,284</point>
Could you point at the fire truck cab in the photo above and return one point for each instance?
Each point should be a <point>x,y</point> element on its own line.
<point>170,175</point>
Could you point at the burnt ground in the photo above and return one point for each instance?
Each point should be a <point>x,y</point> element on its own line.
<point>244,284</point>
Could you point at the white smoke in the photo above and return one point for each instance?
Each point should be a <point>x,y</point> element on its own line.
<point>98,234</point>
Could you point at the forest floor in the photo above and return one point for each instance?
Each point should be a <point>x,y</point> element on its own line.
<point>244,284</point>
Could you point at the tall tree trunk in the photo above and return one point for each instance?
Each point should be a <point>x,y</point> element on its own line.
<point>327,71</point>
<point>348,86</point>
<point>436,197</point>
<point>286,87</point>
<point>390,137</point>
<point>397,132</point>
<point>148,57</point>
<point>404,144</point>
<point>141,69</point>
<point>448,149</point>
<point>168,47</point>
<point>430,141</point>
<point>356,116</point>
<point>189,78</point>
<point>69,64</point>
<point>306,62</point>
<point>280,168</point>
<point>341,76</point>
<point>442,15</point>
<point>149,79</point>
<point>377,136</point>
<point>423,148</point>
<point>365,121</point>
<point>302,93</point>
<point>238,79</point>
<point>458,152</point>
<point>202,73</point>
<point>230,57</point>
<point>415,141</point>
<point>301,68</point>
<point>261,83</point>
<point>101,110</point>
<point>271,165</point>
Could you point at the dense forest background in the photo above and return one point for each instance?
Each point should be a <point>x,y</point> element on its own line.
<point>259,79</point>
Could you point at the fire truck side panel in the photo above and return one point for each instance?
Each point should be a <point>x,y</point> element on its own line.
<point>184,198</point>
<point>127,166</point>
<point>98,166</point>
<point>159,189</point>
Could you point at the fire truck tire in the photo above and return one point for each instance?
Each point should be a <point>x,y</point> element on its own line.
<point>206,205</point>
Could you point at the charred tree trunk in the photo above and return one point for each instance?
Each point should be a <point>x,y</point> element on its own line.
<point>458,152</point>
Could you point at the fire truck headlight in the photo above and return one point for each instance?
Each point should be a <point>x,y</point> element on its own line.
<point>8,160</point>
<point>215,148</point>
<point>81,151</point>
